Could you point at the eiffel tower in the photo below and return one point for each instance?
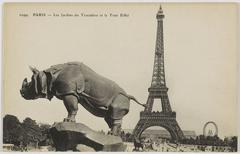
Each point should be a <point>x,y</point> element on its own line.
<point>158,90</point>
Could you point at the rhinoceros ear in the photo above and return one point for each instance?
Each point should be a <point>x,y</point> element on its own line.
<point>34,70</point>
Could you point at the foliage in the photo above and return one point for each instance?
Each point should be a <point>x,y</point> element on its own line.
<point>32,132</point>
<point>12,130</point>
<point>46,137</point>
<point>212,140</point>
<point>232,142</point>
<point>204,140</point>
<point>26,133</point>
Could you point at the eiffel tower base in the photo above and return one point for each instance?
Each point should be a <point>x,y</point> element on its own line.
<point>165,120</point>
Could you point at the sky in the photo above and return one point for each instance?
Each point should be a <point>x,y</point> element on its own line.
<point>200,44</point>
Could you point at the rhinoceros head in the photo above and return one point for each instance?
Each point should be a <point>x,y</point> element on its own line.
<point>28,90</point>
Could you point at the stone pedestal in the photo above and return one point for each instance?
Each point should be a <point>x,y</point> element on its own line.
<point>70,136</point>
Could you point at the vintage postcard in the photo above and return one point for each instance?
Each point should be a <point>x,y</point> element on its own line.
<point>153,77</point>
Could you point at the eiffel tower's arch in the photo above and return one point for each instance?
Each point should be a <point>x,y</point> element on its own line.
<point>170,129</point>
<point>167,122</point>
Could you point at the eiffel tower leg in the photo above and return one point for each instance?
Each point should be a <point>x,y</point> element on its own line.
<point>174,130</point>
<point>138,129</point>
<point>149,104</point>
<point>179,132</point>
<point>165,103</point>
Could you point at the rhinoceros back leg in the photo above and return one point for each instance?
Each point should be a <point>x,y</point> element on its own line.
<point>117,110</point>
<point>71,104</point>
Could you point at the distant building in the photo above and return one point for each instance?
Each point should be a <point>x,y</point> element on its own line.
<point>8,147</point>
<point>189,134</point>
<point>154,133</point>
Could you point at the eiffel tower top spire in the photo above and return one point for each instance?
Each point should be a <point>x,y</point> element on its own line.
<point>158,77</point>
<point>160,14</point>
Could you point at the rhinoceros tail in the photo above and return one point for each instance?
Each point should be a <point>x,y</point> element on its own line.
<point>133,98</point>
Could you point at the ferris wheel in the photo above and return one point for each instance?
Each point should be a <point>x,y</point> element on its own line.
<point>213,131</point>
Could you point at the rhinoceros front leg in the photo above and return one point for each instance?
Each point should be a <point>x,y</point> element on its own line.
<point>71,104</point>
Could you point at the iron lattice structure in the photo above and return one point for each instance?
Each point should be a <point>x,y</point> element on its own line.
<point>158,90</point>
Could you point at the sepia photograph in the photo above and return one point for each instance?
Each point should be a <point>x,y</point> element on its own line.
<point>120,77</point>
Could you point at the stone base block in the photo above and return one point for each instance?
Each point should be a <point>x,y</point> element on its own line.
<point>69,136</point>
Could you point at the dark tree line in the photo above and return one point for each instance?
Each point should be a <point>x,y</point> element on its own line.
<point>26,133</point>
<point>213,141</point>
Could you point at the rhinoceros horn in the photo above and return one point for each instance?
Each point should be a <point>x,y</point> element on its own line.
<point>34,70</point>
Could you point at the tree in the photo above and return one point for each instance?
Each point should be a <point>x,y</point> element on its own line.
<point>233,143</point>
<point>26,133</point>
<point>32,132</point>
<point>12,130</point>
<point>46,136</point>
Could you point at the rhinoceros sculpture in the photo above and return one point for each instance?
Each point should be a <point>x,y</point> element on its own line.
<point>75,83</point>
